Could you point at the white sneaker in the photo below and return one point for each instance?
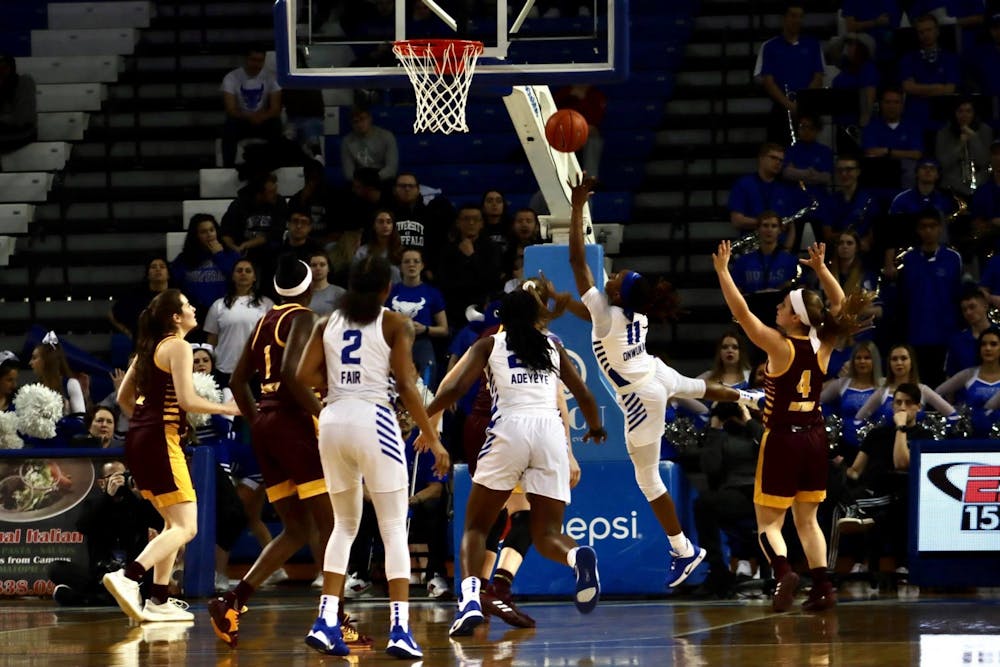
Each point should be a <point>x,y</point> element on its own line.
<point>125,592</point>
<point>743,567</point>
<point>277,577</point>
<point>355,586</point>
<point>437,587</point>
<point>171,610</point>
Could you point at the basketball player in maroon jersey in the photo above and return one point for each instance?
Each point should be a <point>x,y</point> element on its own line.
<point>283,431</point>
<point>792,466</point>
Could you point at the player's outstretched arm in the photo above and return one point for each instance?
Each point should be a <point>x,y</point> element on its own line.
<point>763,336</point>
<point>580,194</point>
<point>834,292</point>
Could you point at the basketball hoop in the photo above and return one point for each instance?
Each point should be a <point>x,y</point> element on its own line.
<point>440,71</point>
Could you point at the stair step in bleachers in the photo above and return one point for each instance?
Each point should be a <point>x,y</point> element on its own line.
<point>226,40</point>
<point>70,96</point>
<point>15,218</point>
<point>39,156</point>
<point>71,69</point>
<point>91,245</point>
<point>83,42</point>
<point>216,183</point>
<point>7,248</point>
<point>478,178</point>
<point>419,149</point>
<point>136,178</point>
<point>480,116</point>
<point>62,125</point>
<point>119,14</point>
<point>214,207</point>
<point>175,243</point>
<point>25,187</point>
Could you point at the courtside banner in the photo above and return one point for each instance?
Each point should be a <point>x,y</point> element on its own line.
<point>609,513</point>
<point>574,333</point>
<point>959,503</point>
<point>40,505</point>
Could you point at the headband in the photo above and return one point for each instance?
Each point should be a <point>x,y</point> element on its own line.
<point>628,282</point>
<point>7,355</point>
<point>298,289</point>
<point>51,339</point>
<point>799,308</point>
<point>204,346</point>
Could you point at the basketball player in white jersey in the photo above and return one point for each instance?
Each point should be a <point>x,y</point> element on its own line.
<point>352,353</point>
<point>620,317</point>
<point>525,444</point>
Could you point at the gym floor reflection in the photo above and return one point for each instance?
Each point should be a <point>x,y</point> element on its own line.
<point>934,631</point>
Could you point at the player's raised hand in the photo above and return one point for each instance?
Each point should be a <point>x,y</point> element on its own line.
<point>817,253</point>
<point>720,258</point>
<point>581,190</point>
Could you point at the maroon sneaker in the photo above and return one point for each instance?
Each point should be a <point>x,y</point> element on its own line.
<point>821,598</point>
<point>503,607</point>
<point>784,592</point>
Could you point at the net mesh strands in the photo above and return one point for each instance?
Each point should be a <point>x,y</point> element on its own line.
<point>441,71</point>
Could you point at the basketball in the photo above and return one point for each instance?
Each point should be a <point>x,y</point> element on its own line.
<point>566,131</point>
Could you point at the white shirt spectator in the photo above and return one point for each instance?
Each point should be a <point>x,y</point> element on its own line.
<point>233,326</point>
<point>251,92</point>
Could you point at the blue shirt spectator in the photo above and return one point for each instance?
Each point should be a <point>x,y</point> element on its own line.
<point>768,268</point>
<point>878,18</point>
<point>963,347</point>
<point>927,73</point>
<point>761,191</point>
<point>808,161</point>
<point>931,286</point>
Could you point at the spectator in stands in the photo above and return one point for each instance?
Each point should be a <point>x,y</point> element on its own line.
<point>251,98</point>
<point>325,296</point>
<point>847,265</point>
<point>254,223</point>
<point>423,304</point>
<point>843,396</point>
<point>985,62</point>
<point>761,191</point>
<point>856,73</point>
<point>118,524</point>
<point>360,202</point>
<point>368,145</point>
<point>930,288</point>
<point>963,149</point>
<point>469,268</point>
<point>729,460</point>
<point>298,237</point>
<point>202,268</point>
<point>911,203</point>
<point>496,219</point>
<point>48,361</point>
<point>850,208</point>
<point>590,103</point>
<point>928,73</point>
<point>985,210</point>
<point>878,466</point>
<point>807,161</point>
<point>890,136</point>
<point>420,225</point>
<point>878,19</point>
<point>785,65</point>
<point>963,347</point>
<point>385,242</point>
<point>524,231</point>
<point>969,18</point>
<point>902,368</point>
<point>9,368</point>
<point>974,387</point>
<point>305,111</point>
<point>762,273</point>
<point>231,319</point>
<point>18,116</point>
<point>342,256</point>
<point>317,198</point>
<point>100,425</point>
<point>731,366</point>
<point>124,314</point>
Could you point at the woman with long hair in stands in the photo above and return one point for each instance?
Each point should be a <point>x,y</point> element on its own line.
<point>901,367</point>
<point>156,393</point>
<point>48,361</point>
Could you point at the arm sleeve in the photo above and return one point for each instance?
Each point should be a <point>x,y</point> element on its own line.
<point>831,390</point>
<point>871,405</point>
<point>933,399</point>
<point>954,383</point>
<point>600,311</point>
<point>75,394</point>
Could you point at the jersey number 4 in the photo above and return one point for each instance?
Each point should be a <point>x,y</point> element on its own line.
<point>803,387</point>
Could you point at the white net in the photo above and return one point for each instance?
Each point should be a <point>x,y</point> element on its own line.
<point>440,71</point>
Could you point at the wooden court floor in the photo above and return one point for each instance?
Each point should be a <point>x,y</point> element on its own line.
<point>887,632</point>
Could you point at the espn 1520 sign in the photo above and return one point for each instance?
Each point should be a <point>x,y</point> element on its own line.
<point>980,498</point>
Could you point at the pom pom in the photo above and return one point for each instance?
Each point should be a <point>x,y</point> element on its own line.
<point>205,387</point>
<point>38,408</point>
<point>864,428</point>
<point>936,424</point>
<point>681,433</point>
<point>961,425</point>
<point>834,426</point>
<point>9,439</point>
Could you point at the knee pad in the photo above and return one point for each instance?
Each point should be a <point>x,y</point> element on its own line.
<point>519,537</point>
<point>498,529</point>
<point>649,481</point>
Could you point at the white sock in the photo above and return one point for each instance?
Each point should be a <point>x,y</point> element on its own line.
<point>681,545</point>
<point>470,589</point>
<point>750,397</point>
<point>329,605</point>
<point>571,556</point>
<point>399,614</point>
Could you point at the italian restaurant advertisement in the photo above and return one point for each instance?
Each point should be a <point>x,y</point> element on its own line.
<point>40,507</point>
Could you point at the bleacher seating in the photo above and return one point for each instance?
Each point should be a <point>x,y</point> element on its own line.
<point>117,14</point>
<point>39,156</point>
<point>71,69</point>
<point>62,125</point>
<point>215,183</point>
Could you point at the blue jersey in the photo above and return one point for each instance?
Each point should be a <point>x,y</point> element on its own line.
<point>963,352</point>
<point>751,196</point>
<point>756,271</point>
<point>941,68</point>
<point>976,393</point>
<point>857,213</point>
<point>931,287</point>
<point>420,303</point>
<point>905,136</point>
<point>791,65</point>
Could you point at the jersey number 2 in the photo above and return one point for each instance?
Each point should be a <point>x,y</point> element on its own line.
<point>353,339</point>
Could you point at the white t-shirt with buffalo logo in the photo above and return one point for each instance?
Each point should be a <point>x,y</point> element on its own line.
<point>251,92</point>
